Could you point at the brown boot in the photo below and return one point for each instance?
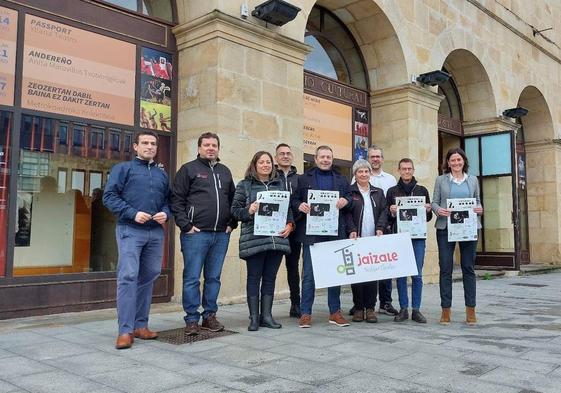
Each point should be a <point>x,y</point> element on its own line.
<point>124,341</point>
<point>445,316</point>
<point>470,316</point>
<point>145,334</point>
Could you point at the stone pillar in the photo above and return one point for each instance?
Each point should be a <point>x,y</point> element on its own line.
<point>543,160</point>
<point>243,82</point>
<point>405,124</point>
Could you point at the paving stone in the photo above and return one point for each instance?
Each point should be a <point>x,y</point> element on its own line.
<point>510,362</point>
<point>305,371</point>
<point>239,356</point>
<point>91,363</point>
<point>143,379</point>
<point>458,383</point>
<point>57,382</point>
<point>50,350</point>
<point>17,339</point>
<point>198,387</point>
<point>6,387</point>
<point>363,382</point>
<point>524,380</point>
<point>4,353</point>
<point>16,366</point>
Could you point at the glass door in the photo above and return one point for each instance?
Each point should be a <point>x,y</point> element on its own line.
<point>492,160</point>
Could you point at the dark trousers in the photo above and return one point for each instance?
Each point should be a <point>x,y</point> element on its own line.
<point>385,291</point>
<point>446,263</point>
<point>262,271</point>
<point>292,272</point>
<point>364,294</point>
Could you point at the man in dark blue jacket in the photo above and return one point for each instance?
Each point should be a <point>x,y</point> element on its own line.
<point>322,177</point>
<point>138,193</point>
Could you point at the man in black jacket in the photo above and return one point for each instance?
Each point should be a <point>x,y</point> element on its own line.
<point>287,173</point>
<point>407,186</point>
<point>203,191</point>
<point>321,177</point>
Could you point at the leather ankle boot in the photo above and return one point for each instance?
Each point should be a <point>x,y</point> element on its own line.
<point>445,316</point>
<point>266,317</point>
<point>470,316</point>
<point>253,305</point>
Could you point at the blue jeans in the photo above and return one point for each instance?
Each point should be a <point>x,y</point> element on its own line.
<point>446,263</point>
<point>416,281</point>
<point>140,263</point>
<point>202,252</point>
<point>262,271</point>
<point>309,287</point>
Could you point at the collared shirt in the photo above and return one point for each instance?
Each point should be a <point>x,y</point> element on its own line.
<point>368,224</point>
<point>383,180</point>
<point>458,182</point>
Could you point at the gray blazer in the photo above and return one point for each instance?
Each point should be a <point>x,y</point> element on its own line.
<point>442,192</point>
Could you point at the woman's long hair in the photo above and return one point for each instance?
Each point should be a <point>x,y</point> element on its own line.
<point>251,170</point>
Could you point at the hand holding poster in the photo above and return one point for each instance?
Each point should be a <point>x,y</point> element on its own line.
<point>372,258</point>
<point>412,216</point>
<point>270,218</point>
<point>323,219</point>
<point>462,221</point>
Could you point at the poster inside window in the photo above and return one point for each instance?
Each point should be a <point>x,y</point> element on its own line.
<point>156,70</point>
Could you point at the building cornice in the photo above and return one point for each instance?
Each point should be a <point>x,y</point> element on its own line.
<point>406,93</point>
<point>223,26</point>
<point>489,125</point>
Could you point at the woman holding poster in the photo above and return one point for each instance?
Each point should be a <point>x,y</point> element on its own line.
<point>455,183</point>
<point>263,254</point>
<point>367,217</point>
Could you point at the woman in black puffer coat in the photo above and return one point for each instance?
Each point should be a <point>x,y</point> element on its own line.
<point>263,254</point>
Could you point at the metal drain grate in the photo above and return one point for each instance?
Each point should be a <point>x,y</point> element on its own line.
<point>521,284</point>
<point>178,336</point>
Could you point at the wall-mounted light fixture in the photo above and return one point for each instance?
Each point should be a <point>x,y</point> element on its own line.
<point>515,113</point>
<point>276,12</point>
<point>433,78</point>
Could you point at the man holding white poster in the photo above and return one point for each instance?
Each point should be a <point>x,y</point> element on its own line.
<point>407,190</point>
<point>320,178</point>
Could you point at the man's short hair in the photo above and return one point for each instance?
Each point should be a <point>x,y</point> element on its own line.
<point>282,145</point>
<point>139,134</point>
<point>208,135</point>
<point>374,147</point>
<point>403,160</point>
<point>323,147</point>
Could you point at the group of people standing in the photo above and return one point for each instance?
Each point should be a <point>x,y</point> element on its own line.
<point>207,206</point>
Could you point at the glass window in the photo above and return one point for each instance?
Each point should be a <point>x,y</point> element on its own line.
<point>496,154</point>
<point>5,131</point>
<point>62,225</point>
<point>335,53</point>
<point>472,152</point>
<point>159,8</point>
<point>128,4</point>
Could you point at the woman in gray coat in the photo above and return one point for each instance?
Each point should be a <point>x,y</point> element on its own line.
<point>263,254</point>
<point>455,183</point>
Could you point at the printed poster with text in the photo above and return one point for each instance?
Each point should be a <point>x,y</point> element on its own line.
<point>77,73</point>
<point>8,39</point>
<point>327,123</point>
<point>156,72</point>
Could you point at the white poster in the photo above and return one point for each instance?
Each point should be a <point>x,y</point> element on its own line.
<point>412,216</point>
<point>371,258</point>
<point>270,218</point>
<point>323,219</point>
<point>462,221</point>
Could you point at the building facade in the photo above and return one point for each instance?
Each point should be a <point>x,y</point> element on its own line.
<point>342,73</point>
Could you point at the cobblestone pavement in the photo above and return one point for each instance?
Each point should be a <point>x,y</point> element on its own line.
<point>515,348</point>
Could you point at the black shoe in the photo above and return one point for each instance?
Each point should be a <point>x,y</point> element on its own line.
<point>418,317</point>
<point>388,309</point>
<point>295,311</point>
<point>266,317</point>
<point>352,311</point>
<point>253,305</point>
<point>403,315</point>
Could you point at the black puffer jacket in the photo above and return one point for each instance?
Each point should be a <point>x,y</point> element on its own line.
<point>245,195</point>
